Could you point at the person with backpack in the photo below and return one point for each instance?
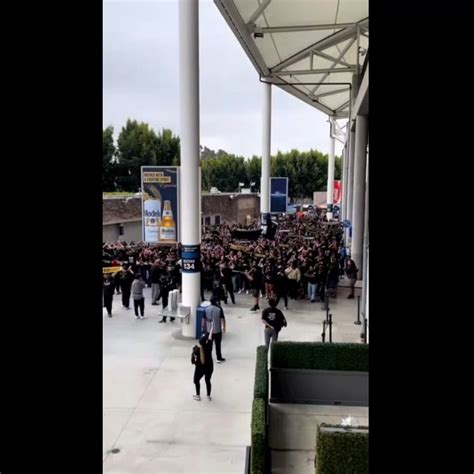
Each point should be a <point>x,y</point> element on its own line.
<point>201,358</point>
<point>214,323</point>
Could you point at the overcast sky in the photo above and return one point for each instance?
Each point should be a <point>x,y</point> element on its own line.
<point>141,81</point>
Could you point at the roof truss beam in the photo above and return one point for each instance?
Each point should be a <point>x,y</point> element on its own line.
<point>341,55</point>
<point>325,94</point>
<point>325,43</point>
<point>259,11</point>
<point>292,29</point>
<point>343,106</point>
<point>313,71</point>
<point>331,58</point>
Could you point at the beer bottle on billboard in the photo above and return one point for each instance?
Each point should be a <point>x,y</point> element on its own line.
<point>152,214</point>
<point>168,225</point>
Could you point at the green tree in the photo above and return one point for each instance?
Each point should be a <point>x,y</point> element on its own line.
<point>108,159</point>
<point>168,148</point>
<point>338,168</point>
<point>137,147</point>
<point>254,171</point>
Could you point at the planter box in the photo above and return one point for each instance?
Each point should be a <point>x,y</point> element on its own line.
<point>319,387</point>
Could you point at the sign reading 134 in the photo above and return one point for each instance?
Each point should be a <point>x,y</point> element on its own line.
<point>191,258</point>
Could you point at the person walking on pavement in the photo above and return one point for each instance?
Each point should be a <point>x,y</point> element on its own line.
<point>255,277</point>
<point>117,281</point>
<point>274,320</point>
<point>227,274</point>
<point>155,274</point>
<point>312,278</point>
<point>126,279</point>
<point>137,295</point>
<point>351,272</point>
<point>201,358</point>
<point>166,285</point>
<point>108,287</point>
<point>282,287</point>
<point>294,276</point>
<point>215,325</point>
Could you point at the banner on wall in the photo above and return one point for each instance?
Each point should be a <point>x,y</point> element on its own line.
<point>278,195</point>
<point>160,204</point>
<point>337,193</point>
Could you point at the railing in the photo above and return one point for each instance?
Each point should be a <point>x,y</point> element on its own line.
<point>327,323</point>
<point>248,450</point>
<point>358,312</point>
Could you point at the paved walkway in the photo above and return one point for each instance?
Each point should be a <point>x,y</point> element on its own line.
<point>149,413</point>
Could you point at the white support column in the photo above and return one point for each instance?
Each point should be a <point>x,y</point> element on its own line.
<point>365,262</point>
<point>189,134</point>
<point>266,150</point>
<point>330,185</point>
<point>358,203</point>
<point>350,181</point>
<point>345,159</point>
<point>367,295</point>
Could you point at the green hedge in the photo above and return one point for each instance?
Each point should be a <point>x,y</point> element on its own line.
<point>341,452</point>
<point>320,356</point>
<point>261,374</point>
<point>258,436</point>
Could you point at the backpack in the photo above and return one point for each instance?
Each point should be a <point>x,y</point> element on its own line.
<point>194,355</point>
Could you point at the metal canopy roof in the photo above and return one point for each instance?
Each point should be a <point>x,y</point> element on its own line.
<point>309,48</point>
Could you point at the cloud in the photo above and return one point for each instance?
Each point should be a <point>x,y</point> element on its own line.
<point>141,81</point>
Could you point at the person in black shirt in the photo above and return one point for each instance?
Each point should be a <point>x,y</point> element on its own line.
<point>351,272</point>
<point>108,286</point>
<point>255,277</point>
<point>227,274</point>
<point>281,286</point>
<point>270,280</point>
<point>117,282</point>
<point>201,358</point>
<point>274,320</point>
<point>312,284</point>
<point>126,280</point>
<point>155,274</point>
<point>218,290</point>
<point>166,285</point>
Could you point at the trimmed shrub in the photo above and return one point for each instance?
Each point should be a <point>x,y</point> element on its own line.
<point>259,442</point>
<point>261,374</point>
<point>320,356</point>
<point>341,452</point>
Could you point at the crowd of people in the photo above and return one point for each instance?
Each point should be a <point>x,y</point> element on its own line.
<point>305,260</point>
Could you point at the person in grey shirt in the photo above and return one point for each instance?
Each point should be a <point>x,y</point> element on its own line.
<point>215,325</point>
<point>137,295</point>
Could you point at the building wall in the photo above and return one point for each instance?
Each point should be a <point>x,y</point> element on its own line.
<point>230,207</point>
<point>131,231</point>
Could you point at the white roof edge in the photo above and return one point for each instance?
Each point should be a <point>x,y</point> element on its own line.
<point>236,24</point>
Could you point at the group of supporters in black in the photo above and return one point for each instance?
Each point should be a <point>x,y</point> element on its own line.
<point>306,259</point>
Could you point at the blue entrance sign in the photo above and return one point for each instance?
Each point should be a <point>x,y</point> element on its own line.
<point>191,258</point>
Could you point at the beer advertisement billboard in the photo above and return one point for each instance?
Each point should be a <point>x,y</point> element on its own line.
<point>278,195</point>
<point>160,206</point>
